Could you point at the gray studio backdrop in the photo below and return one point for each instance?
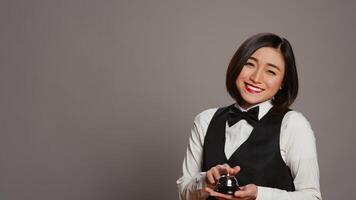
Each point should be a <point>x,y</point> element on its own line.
<point>98,97</point>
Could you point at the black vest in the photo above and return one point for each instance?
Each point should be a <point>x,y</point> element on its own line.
<point>259,156</point>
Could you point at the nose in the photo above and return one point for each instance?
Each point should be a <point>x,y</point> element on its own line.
<point>256,76</point>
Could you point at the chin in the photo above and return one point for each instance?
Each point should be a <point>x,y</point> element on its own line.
<point>253,101</point>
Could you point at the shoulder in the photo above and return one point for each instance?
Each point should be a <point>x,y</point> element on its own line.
<point>296,127</point>
<point>294,119</point>
<point>205,116</point>
<point>201,123</point>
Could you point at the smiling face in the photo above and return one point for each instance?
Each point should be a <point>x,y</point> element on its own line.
<point>261,77</point>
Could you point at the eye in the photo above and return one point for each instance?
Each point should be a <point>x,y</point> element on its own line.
<point>249,64</point>
<point>271,72</point>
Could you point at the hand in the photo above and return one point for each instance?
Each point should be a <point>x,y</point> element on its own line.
<point>214,173</point>
<point>247,192</point>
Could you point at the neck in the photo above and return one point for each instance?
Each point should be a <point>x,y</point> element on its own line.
<point>246,105</point>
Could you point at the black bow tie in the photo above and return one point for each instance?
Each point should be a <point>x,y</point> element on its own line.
<point>235,115</point>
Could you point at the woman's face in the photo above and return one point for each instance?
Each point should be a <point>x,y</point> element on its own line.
<point>261,77</point>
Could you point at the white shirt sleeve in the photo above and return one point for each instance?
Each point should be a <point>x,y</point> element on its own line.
<point>192,183</point>
<point>297,144</point>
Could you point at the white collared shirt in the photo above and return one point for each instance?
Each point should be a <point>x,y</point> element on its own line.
<point>297,147</point>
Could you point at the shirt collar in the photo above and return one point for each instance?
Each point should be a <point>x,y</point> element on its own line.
<point>264,107</point>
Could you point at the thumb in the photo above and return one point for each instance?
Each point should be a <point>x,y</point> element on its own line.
<point>242,187</point>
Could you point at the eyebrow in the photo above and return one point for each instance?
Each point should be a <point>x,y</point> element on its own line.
<point>269,64</point>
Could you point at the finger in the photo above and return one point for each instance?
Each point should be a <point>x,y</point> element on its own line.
<point>241,193</point>
<point>223,169</point>
<point>221,198</point>
<point>210,178</point>
<point>242,188</point>
<point>226,165</point>
<point>247,192</point>
<point>218,195</point>
<point>210,191</point>
<point>216,173</point>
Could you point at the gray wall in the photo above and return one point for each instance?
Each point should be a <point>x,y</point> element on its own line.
<point>98,97</point>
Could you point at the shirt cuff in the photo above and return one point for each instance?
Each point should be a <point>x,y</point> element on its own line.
<point>264,193</point>
<point>200,181</point>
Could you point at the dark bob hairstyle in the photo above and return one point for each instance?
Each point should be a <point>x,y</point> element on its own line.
<point>285,96</point>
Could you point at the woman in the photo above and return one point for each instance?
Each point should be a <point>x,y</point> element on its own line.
<point>268,147</point>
